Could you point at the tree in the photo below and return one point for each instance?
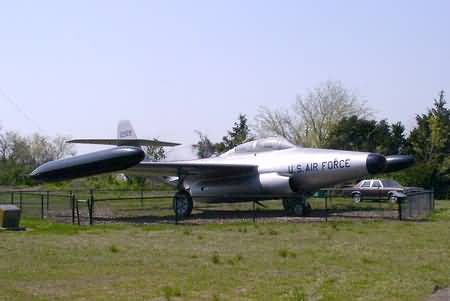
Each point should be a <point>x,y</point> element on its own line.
<point>312,116</point>
<point>61,148</point>
<point>398,140</point>
<point>19,155</point>
<point>239,134</point>
<point>278,123</point>
<point>155,153</point>
<point>429,142</point>
<point>359,134</point>
<point>205,148</point>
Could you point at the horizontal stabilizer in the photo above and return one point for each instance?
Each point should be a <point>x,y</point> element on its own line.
<point>124,142</point>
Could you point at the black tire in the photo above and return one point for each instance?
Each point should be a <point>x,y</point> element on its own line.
<point>182,204</point>
<point>286,204</point>
<point>308,209</point>
<point>356,197</point>
<point>393,198</point>
<point>297,207</point>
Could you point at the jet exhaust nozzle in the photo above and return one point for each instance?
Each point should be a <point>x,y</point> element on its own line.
<point>99,162</point>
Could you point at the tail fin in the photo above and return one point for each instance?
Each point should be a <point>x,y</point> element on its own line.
<point>125,130</point>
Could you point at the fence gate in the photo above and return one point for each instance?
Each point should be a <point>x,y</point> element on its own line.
<point>416,205</point>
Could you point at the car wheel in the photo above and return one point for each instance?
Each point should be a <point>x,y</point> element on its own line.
<point>393,199</point>
<point>356,197</point>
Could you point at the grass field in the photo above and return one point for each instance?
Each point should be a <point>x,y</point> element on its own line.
<point>341,260</point>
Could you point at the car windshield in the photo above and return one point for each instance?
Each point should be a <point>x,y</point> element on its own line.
<point>376,184</point>
<point>365,184</point>
<point>391,183</point>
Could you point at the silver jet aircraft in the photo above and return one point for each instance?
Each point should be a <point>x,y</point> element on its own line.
<point>264,169</point>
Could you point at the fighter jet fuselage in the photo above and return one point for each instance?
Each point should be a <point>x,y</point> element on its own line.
<point>264,169</point>
<point>284,173</point>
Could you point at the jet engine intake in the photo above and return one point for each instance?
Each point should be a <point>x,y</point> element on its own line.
<point>276,184</point>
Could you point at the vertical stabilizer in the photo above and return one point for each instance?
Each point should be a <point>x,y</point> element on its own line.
<point>125,130</point>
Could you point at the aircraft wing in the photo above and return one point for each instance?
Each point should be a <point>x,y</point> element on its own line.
<point>200,169</point>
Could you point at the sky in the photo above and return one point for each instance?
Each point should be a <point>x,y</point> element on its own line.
<point>173,67</point>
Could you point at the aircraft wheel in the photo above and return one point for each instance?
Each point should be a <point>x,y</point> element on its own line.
<point>286,204</point>
<point>307,208</point>
<point>297,207</point>
<point>182,203</point>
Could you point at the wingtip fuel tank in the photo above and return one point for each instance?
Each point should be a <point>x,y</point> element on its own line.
<point>103,161</point>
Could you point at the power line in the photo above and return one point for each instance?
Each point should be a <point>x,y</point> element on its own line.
<point>19,109</point>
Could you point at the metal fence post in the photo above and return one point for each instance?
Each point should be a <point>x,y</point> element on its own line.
<point>20,199</point>
<point>326,206</point>
<point>91,208</point>
<point>72,204</point>
<point>48,200</point>
<point>42,206</point>
<point>409,209</point>
<point>12,197</point>
<point>432,197</point>
<point>142,197</point>
<point>399,202</point>
<point>78,210</point>
<point>254,211</point>
<point>176,211</point>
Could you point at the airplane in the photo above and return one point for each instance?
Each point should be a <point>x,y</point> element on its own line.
<point>259,170</point>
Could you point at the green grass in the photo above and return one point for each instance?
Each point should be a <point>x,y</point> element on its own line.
<point>340,260</point>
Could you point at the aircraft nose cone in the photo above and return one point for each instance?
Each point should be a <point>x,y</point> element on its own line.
<point>36,174</point>
<point>399,162</point>
<point>375,163</point>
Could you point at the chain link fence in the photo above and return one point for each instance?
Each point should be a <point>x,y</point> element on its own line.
<point>148,206</point>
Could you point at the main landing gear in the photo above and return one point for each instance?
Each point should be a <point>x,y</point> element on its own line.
<point>182,200</point>
<point>297,207</point>
<point>182,203</point>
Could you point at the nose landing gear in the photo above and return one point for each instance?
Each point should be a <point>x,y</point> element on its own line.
<point>182,200</point>
<point>182,203</point>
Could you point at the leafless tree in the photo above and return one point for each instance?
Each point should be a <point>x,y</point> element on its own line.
<point>61,148</point>
<point>312,116</point>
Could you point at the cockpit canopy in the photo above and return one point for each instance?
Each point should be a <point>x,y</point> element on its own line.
<point>262,145</point>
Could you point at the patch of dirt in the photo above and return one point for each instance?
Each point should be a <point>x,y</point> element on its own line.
<point>440,295</point>
<point>105,215</point>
